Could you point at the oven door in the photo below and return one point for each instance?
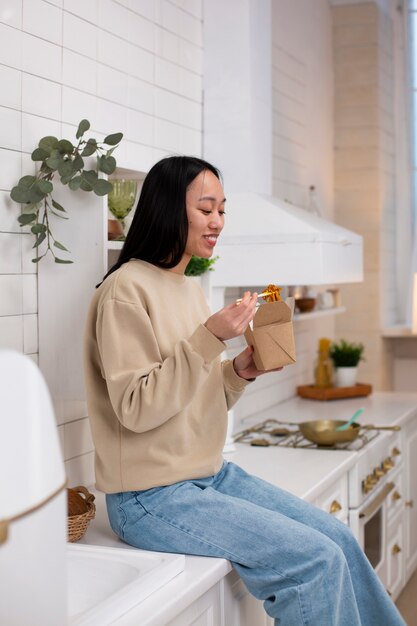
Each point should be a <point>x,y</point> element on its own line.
<point>369,525</point>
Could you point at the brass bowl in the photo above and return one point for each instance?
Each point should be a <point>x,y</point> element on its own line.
<point>305,305</point>
<point>324,433</point>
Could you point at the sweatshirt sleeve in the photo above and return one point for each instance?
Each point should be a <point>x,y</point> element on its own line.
<point>146,391</point>
<point>234,385</point>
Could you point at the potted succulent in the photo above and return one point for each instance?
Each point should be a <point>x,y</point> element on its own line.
<point>346,357</point>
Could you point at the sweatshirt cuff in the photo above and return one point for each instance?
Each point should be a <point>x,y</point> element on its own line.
<point>206,344</point>
<point>232,380</point>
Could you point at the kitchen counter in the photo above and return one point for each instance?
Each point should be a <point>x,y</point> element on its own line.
<point>305,473</point>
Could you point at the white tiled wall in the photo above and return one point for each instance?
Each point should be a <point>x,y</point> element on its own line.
<point>129,65</point>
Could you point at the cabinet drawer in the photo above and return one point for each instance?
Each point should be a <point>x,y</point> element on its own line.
<point>395,558</point>
<point>334,499</point>
<point>396,499</point>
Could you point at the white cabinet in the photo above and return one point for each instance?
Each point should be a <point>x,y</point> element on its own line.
<point>334,499</point>
<point>410,521</point>
<point>394,557</point>
<point>240,607</point>
<point>205,611</point>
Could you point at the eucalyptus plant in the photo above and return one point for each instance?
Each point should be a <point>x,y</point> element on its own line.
<point>60,157</point>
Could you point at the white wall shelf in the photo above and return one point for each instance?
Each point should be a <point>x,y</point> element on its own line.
<point>391,332</point>
<point>300,317</point>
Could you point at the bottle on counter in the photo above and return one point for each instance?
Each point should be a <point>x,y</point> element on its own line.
<point>323,371</point>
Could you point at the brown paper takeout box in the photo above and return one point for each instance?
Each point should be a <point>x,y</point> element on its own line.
<point>272,336</point>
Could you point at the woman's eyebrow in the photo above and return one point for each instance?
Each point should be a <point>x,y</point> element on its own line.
<point>212,198</point>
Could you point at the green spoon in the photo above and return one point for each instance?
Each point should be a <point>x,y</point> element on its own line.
<point>352,419</point>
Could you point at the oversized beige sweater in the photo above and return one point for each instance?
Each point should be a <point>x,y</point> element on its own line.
<point>157,392</point>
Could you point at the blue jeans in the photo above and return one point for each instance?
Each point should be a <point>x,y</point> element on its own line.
<point>304,564</point>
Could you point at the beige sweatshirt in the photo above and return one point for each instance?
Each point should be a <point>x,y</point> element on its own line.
<point>157,392</point>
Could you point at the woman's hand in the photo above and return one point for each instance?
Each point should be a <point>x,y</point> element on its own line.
<point>232,320</point>
<point>245,367</point>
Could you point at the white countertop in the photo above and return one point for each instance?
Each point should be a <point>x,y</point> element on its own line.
<point>305,473</point>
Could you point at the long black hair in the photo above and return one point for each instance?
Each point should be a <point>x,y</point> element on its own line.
<point>159,230</point>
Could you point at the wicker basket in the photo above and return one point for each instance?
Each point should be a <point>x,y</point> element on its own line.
<point>78,524</point>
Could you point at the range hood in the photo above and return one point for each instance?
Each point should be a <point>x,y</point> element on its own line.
<point>267,240</point>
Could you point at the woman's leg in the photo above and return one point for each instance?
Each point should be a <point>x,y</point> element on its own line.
<point>301,574</point>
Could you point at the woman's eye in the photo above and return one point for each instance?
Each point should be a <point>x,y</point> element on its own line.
<point>205,211</point>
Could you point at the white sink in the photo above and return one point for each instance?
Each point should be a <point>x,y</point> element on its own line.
<point>104,582</point>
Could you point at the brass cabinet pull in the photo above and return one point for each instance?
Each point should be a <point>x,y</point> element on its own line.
<point>335,507</point>
<point>396,496</point>
<point>409,503</point>
<point>388,464</point>
<point>396,549</point>
<point>395,451</point>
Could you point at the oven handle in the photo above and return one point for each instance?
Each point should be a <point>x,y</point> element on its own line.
<point>375,504</point>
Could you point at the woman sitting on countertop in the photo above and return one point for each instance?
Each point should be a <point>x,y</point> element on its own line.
<point>158,396</point>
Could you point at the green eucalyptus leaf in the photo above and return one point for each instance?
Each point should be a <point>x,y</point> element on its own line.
<point>18,194</point>
<point>112,140</point>
<point>64,146</point>
<point>102,187</point>
<point>38,228</point>
<point>89,148</point>
<point>36,194</point>
<point>78,163</point>
<point>57,206</point>
<point>26,218</point>
<point>107,164</point>
<point>59,245</point>
<point>38,258</point>
<point>39,154</point>
<point>45,186</point>
<point>75,183</point>
<point>54,160</point>
<point>48,143</point>
<point>65,168</point>
<point>110,152</point>
<point>39,240</point>
<point>66,179</point>
<point>82,127</point>
<point>27,181</point>
<point>62,260</point>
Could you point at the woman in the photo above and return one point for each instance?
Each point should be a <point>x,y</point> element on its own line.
<point>158,396</point>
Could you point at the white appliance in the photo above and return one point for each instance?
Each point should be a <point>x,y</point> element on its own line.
<point>33,504</point>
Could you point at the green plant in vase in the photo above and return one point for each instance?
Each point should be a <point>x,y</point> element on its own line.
<point>121,199</point>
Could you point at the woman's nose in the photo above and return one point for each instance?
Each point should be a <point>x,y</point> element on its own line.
<point>215,221</point>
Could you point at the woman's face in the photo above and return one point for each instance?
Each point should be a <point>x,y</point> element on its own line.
<point>205,210</point>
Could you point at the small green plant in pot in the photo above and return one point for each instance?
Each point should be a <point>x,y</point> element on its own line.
<point>346,357</point>
<point>198,266</point>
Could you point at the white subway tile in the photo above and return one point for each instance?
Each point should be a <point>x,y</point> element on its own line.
<point>195,7</point>
<point>11,89</point>
<point>168,105</point>
<point>191,141</point>
<point>9,212</point>
<point>57,3</point>
<point>30,293</point>
<point>41,58</point>
<point>34,128</point>
<point>30,334</point>
<point>190,57</point>
<point>191,28</point>
<point>28,253</point>
<point>61,437</point>
<point>86,10</point>
<point>11,333</point>
<point>11,46</point>
<point>43,20</point>
<point>141,32</point>
<point>112,84</point>
<point>10,168</point>
<point>80,36</point>
<point>10,128</point>
<point>138,157</point>
<point>114,18</point>
<point>170,16</point>
<point>49,104</point>
<point>167,44</point>
<point>143,7</point>
<point>190,85</point>
<point>11,13</point>
<point>80,470</point>
<point>140,127</point>
<point>112,51</point>
<point>77,105</point>
<point>140,95</point>
<point>140,63</point>
<point>10,256</point>
<point>77,438</point>
<point>79,72</point>
<point>111,118</point>
<point>11,300</point>
<point>167,135</point>
<point>167,74</point>
<point>191,114</point>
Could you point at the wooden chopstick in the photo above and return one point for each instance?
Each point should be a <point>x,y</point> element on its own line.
<point>261,295</point>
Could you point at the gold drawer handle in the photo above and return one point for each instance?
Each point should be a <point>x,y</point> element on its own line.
<point>395,451</point>
<point>396,548</point>
<point>335,507</point>
<point>396,496</point>
<point>409,503</point>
